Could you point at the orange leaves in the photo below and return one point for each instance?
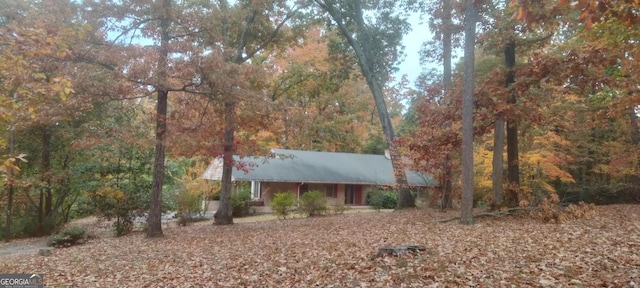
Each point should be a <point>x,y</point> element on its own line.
<point>335,251</point>
<point>34,47</point>
<point>590,11</point>
<point>520,14</point>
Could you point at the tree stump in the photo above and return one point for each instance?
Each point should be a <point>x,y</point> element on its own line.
<point>399,250</point>
<point>45,251</point>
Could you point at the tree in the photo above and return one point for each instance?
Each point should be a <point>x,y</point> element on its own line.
<point>321,99</point>
<point>376,48</point>
<point>158,69</point>
<point>118,165</point>
<point>513,164</point>
<point>442,22</point>
<point>154,219</point>
<point>246,29</point>
<point>447,187</point>
<point>35,84</point>
<point>466,208</point>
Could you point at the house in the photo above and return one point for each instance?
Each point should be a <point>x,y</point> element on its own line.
<point>344,178</point>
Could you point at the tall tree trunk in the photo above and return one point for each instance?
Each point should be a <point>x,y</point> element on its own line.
<point>362,47</point>
<point>46,173</point>
<point>635,140</point>
<point>9,216</point>
<point>498,160</point>
<point>44,197</point>
<point>366,63</point>
<point>447,186</point>
<point>223,215</point>
<point>154,220</point>
<point>513,164</point>
<point>7,227</point>
<point>466,216</point>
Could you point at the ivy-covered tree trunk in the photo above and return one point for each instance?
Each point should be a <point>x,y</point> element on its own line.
<point>224,214</point>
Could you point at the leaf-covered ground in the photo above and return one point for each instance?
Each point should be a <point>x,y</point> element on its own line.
<point>335,251</point>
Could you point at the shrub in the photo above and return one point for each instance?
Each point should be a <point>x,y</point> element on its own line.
<point>240,203</point>
<point>112,203</point>
<point>313,203</point>
<point>282,203</point>
<point>381,199</point>
<point>339,209</point>
<point>189,206</point>
<point>67,237</point>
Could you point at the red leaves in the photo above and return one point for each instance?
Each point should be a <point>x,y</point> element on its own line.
<point>591,11</point>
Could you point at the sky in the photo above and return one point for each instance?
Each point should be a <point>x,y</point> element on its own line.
<point>413,42</point>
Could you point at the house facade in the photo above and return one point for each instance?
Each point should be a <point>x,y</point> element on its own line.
<point>344,178</point>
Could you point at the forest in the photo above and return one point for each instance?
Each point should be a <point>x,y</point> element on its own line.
<point>116,107</point>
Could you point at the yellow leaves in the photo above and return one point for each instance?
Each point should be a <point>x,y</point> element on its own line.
<point>108,193</point>
<point>547,160</point>
<point>29,64</point>
<point>63,87</point>
<point>194,184</point>
<point>39,76</point>
<point>9,165</point>
<point>483,168</point>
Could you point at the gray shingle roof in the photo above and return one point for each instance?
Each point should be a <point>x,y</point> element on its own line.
<point>317,167</point>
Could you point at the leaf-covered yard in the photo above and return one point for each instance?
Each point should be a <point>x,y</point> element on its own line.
<point>336,251</point>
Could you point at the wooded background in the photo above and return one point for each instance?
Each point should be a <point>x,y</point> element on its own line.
<point>114,106</point>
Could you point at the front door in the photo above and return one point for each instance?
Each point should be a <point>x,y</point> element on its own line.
<point>352,194</point>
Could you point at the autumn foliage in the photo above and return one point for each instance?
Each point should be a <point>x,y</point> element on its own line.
<point>337,251</point>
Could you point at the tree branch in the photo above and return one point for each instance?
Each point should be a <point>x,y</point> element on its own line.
<point>493,214</point>
<point>271,37</point>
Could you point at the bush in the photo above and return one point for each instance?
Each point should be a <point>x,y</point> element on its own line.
<point>339,209</point>
<point>381,199</point>
<point>67,237</point>
<point>282,203</point>
<point>112,203</point>
<point>313,203</point>
<point>240,203</point>
<point>189,206</point>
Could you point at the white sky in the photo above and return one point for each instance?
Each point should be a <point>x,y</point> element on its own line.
<point>413,42</point>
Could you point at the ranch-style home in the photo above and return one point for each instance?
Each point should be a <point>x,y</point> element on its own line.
<point>345,178</point>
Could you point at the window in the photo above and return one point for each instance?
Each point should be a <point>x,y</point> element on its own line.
<point>255,190</point>
<point>330,191</point>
